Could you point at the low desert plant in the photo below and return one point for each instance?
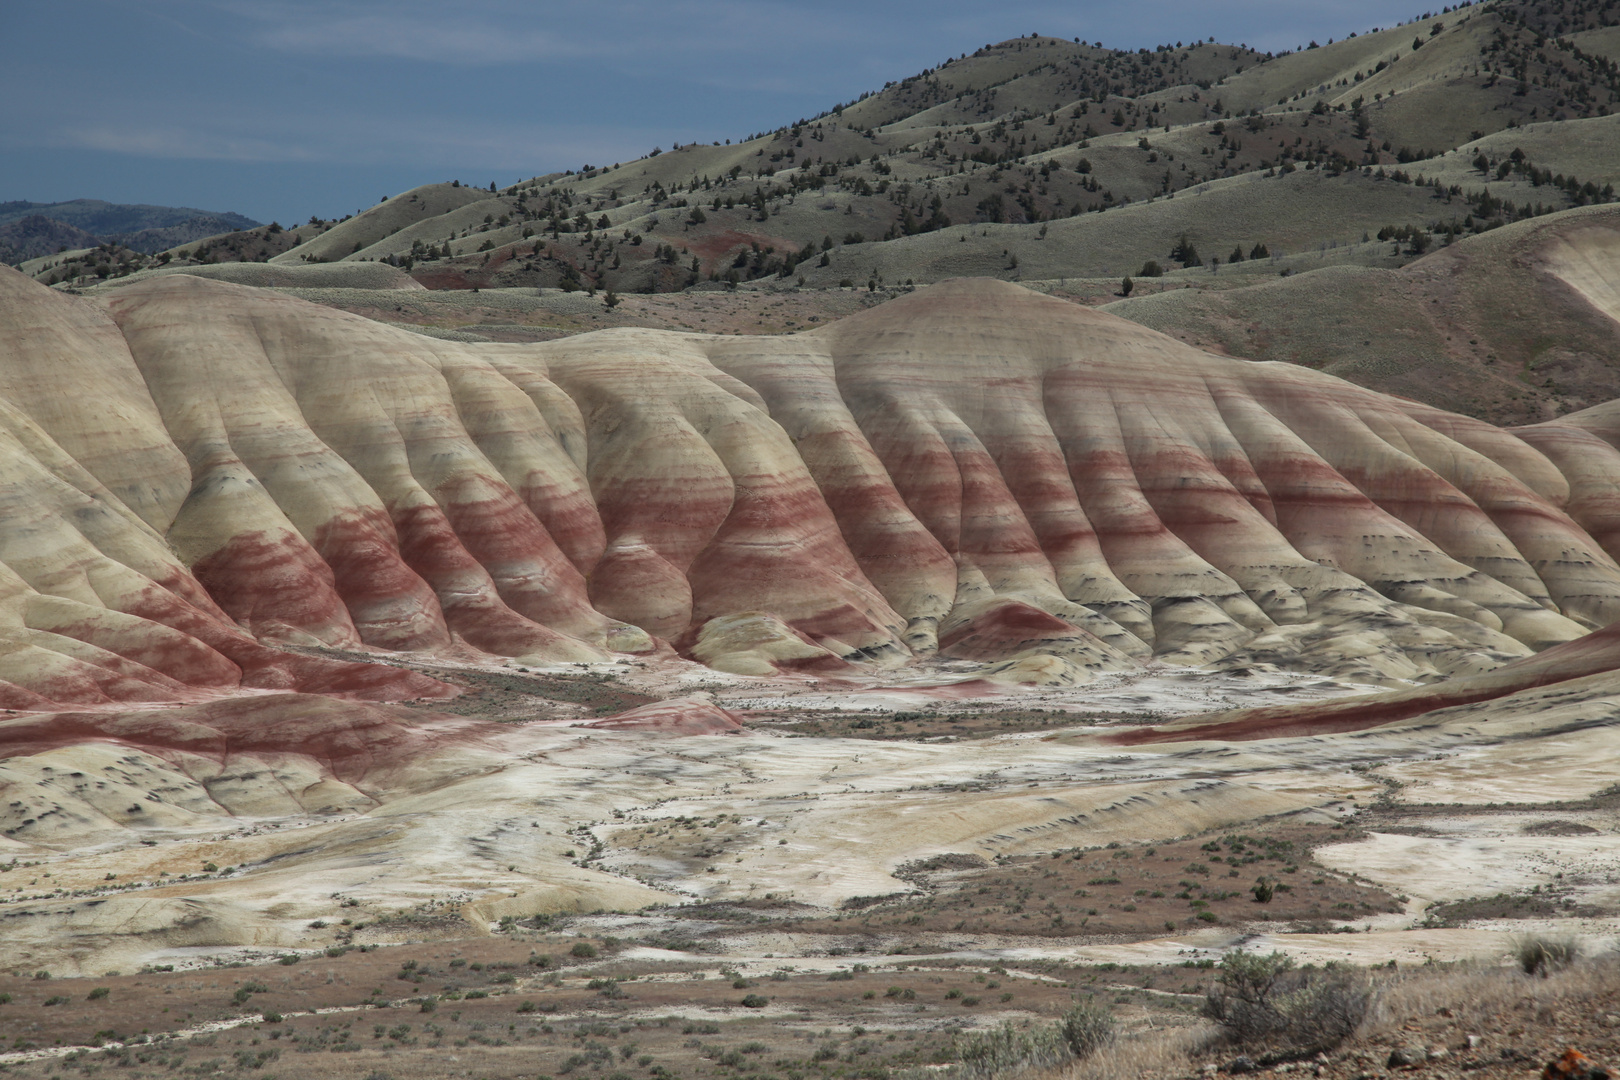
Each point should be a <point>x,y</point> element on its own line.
<point>1538,955</point>
<point>1010,1049</point>
<point>1086,1028</point>
<point>1265,1001</point>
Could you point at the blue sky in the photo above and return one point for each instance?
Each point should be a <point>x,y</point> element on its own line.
<point>280,109</point>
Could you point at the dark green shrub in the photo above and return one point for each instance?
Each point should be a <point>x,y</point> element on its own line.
<point>1267,1001</point>
<point>1086,1028</point>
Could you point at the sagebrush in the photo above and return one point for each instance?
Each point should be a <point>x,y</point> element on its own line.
<point>1268,1002</point>
<point>1010,1049</point>
<point>1542,956</point>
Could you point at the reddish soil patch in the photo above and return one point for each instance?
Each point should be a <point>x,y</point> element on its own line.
<point>1135,891</point>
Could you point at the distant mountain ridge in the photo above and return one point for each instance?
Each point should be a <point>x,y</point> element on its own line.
<point>35,235</point>
<point>137,226</point>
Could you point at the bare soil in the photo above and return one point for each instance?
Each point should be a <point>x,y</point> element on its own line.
<point>499,1007</point>
<point>1128,892</point>
<point>948,721</point>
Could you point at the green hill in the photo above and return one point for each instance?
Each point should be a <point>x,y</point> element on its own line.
<point>1226,176</point>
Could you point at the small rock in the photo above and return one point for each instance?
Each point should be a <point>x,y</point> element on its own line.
<point>1404,1057</point>
<point>1438,1053</point>
<point>1611,1020</point>
<point>1211,1070</point>
<point>1285,1067</point>
<point>1575,1065</point>
<point>1473,1042</point>
<point>1241,1064</point>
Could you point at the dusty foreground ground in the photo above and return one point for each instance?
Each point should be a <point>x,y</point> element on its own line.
<point>525,1005</point>
<point>840,888</point>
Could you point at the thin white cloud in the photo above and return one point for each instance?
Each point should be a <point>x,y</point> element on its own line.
<point>677,37</point>
<point>178,142</point>
<point>349,138</point>
<point>434,40</point>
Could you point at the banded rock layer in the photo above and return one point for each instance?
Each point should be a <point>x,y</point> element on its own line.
<point>195,472</point>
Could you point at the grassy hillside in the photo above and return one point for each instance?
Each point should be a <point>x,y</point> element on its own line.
<point>1497,326</point>
<point>387,218</point>
<point>1044,150</point>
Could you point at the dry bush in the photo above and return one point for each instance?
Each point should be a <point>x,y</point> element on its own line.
<point>1477,997</point>
<point>1012,1049</point>
<point>1265,1002</point>
<point>1148,1056</point>
<point>1482,996</point>
<point>1539,955</point>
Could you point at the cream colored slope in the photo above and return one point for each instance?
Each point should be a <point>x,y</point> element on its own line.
<point>67,367</point>
<point>341,443</point>
<point>973,467</point>
<point>1063,454</point>
<point>1588,260</point>
<point>707,505</point>
<point>1147,405</point>
<point>95,606</point>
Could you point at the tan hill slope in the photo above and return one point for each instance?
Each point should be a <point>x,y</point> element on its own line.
<point>1516,325</point>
